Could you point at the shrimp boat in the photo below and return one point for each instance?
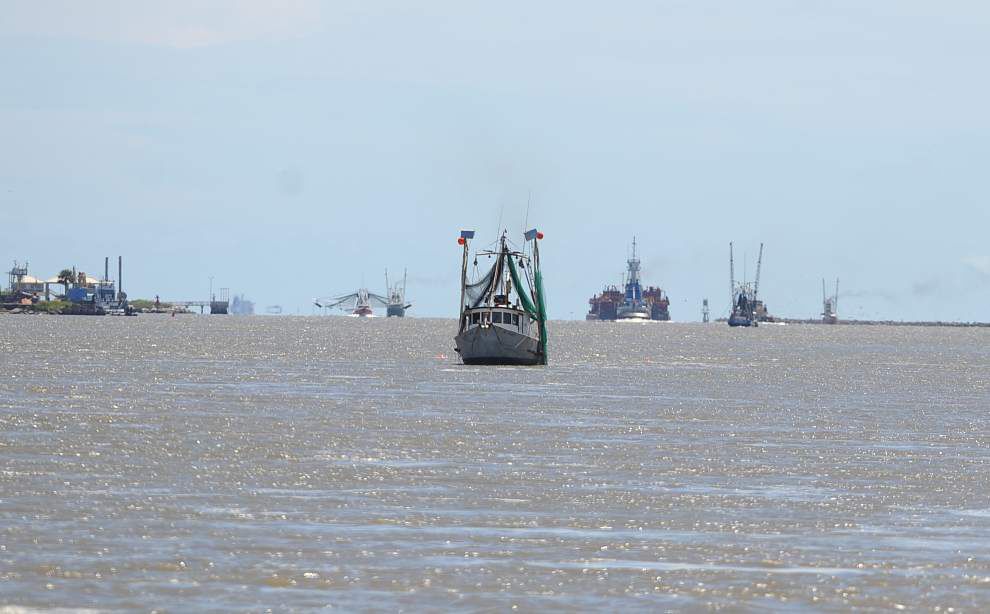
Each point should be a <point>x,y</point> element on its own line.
<point>503,312</point>
<point>747,309</point>
<point>358,303</point>
<point>397,306</point>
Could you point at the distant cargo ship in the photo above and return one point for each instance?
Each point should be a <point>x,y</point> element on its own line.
<point>636,303</point>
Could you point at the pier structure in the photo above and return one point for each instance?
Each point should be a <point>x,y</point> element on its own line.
<point>220,305</point>
<point>215,306</point>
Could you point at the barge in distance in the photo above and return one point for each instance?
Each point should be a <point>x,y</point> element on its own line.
<point>636,303</point>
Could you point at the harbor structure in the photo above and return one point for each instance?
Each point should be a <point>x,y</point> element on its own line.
<point>705,311</point>
<point>220,303</point>
<point>22,289</point>
<point>103,296</point>
<point>502,315</point>
<point>633,302</point>
<point>830,304</point>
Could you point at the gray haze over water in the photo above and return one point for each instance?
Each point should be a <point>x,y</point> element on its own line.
<point>224,462</point>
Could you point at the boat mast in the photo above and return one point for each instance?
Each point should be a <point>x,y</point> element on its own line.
<point>464,262</point>
<point>536,254</point>
<point>835,301</point>
<point>732,279</point>
<point>499,283</point>
<point>463,240</point>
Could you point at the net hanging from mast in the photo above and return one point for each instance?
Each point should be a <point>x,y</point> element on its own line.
<point>476,293</point>
<point>521,290</point>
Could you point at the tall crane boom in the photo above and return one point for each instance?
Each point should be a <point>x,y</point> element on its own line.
<point>732,277</point>
<point>759,265</point>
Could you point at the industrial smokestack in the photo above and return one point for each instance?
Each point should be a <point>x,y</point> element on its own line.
<point>120,276</point>
<point>106,267</point>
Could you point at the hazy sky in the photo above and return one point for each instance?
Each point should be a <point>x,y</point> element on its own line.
<point>294,149</point>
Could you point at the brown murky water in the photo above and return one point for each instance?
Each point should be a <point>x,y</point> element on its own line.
<point>291,463</point>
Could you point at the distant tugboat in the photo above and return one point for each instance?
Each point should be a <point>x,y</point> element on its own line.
<point>635,304</point>
<point>503,313</point>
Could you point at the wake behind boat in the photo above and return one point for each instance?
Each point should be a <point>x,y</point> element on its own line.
<point>503,312</point>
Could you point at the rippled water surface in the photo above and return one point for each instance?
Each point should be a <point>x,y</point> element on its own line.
<point>221,462</point>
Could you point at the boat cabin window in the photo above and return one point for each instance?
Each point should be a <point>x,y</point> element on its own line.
<point>515,319</point>
<point>475,317</point>
<point>497,317</point>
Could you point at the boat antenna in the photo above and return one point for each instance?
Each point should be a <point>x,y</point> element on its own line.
<point>529,201</point>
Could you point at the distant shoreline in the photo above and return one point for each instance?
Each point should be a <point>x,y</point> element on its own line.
<point>877,323</point>
<point>56,308</point>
